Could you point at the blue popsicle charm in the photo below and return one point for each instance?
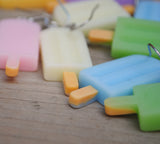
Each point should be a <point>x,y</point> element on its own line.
<point>118,77</point>
<point>149,10</point>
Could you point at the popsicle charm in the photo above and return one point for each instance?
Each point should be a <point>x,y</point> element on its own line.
<point>130,37</point>
<point>48,5</point>
<point>118,77</point>
<point>105,17</point>
<point>148,9</point>
<point>63,50</point>
<point>145,102</point>
<point>19,46</point>
<point>128,5</point>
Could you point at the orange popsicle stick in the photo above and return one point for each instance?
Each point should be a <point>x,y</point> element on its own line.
<point>82,95</point>
<point>129,8</point>
<point>12,67</point>
<point>70,82</point>
<point>100,36</point>
<point>120,105</point>
<point>113,111</point>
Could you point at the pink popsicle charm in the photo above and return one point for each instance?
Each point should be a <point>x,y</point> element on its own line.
<point>19,46</point>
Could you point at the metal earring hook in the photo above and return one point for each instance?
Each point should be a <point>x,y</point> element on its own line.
<point>46,20</point>
<point>73,26</point>
<point>65,11</point>
<point>42,17</point>
<point>150,52</point>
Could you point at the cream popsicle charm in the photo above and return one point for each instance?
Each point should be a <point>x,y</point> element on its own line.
<point>19,46</point>
<point>128,5</point>
<point>63,50</point>
<point>105,17</point>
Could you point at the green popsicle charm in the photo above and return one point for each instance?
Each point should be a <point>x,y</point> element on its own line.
<point>145,102</point>
<point>130,37</point>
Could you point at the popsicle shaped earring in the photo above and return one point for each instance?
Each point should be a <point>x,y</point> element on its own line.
<point>118,77</point>
<point>148,10</point>
<point>145,102</point>
<point>130,37</point>
<point>19,46</point>
<point>105,17</point>
<point>64,49</point>
<point>48,5</point>
<point>128,5</point>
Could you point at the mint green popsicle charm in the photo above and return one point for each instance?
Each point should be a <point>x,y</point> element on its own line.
<point>145,102</point>
<point>130,37</point>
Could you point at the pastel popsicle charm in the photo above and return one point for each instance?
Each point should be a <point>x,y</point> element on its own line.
<point>105,16</point>
<point>63,50</point>
<point>19,46</point>
<point>118,77</point>
<point>130,37</point>
<point>29,4</point>
<point>148,10</point>
<point>126,4</point>
<point>145,102</point>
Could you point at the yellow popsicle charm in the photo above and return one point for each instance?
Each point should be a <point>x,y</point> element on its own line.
<point>48,5</point>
